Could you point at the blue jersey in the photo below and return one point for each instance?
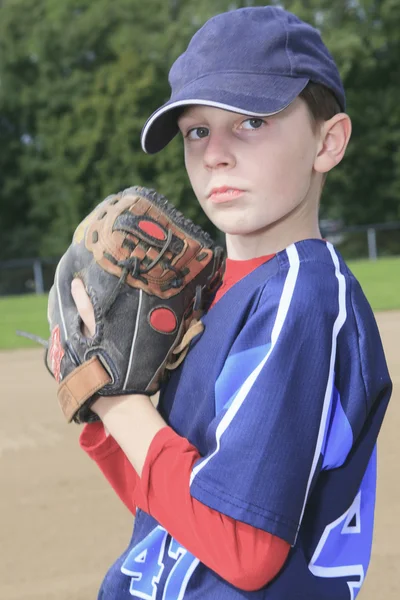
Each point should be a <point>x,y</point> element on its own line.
<point>283,395</point>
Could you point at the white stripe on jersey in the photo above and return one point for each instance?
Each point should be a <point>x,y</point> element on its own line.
<point>283,309</point>
<point>340,320</point>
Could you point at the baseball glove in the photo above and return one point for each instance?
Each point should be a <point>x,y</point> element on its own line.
<point>150,274</point>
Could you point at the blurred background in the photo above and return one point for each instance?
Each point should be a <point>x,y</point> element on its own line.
<point>78,79</point>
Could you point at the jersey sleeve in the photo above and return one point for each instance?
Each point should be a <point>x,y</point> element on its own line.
<point>272,401</point>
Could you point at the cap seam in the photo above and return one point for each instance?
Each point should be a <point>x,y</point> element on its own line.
<point>287,48</point>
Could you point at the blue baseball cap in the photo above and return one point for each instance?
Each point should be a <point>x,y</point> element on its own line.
<point>253,61</point>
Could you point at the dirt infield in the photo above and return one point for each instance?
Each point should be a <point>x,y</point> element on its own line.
<point>61,526</point>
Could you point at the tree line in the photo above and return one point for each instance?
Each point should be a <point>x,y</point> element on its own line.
<point>79,78</point>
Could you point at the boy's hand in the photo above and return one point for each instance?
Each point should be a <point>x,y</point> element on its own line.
<point>84,307</point>
<point>88,327</point>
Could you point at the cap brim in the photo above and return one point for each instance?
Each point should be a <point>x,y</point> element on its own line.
<point>232,92</point>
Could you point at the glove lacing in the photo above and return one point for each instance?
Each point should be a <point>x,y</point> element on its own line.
<point>132,266</point>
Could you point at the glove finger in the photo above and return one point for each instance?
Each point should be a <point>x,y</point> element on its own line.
<point>84,306</point>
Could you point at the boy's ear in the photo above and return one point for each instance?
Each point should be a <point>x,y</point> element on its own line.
<point>334,137</point>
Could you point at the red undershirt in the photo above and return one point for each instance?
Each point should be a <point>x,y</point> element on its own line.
<point>243,555</point>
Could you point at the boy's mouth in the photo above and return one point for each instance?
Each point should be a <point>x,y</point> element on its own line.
<point>224,194</point>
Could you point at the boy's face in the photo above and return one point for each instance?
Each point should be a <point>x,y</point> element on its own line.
<point>261,170</point>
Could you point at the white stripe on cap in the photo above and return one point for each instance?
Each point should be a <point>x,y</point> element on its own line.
<point>179,103</point>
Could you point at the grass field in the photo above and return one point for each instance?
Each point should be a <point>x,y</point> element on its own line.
<point>380,281</point>
<point>27,313</point>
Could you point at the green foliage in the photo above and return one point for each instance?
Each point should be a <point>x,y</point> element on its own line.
<point>364,38</point>
<point>78,80</point>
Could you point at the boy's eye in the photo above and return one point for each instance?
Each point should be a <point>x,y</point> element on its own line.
<point>253,123</point>
<point>197,133</point>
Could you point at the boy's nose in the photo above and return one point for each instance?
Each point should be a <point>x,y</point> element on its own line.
<point>218,153</point>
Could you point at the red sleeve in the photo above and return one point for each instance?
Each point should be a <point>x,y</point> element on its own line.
<point>113,463</point>
<point>243,555</point>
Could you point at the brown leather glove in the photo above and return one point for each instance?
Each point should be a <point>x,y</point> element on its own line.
<point>150,274</point>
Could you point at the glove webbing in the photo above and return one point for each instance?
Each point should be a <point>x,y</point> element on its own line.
<point>132,266</point>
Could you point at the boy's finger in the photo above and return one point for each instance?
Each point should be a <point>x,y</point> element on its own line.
<point>84,306</point>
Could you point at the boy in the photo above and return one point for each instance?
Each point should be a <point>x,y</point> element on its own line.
<point>256,475</point>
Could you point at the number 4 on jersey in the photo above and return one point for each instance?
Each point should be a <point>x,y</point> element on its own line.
<point>344,549</point>
<point>145,565</point>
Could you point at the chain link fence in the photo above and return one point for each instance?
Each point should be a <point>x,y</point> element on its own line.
<point>363,241</point>
<point>27,276</point>
<point>36,275</point>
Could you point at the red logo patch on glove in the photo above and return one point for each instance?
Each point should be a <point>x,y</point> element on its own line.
<point>56,353</point>
<point>163,320</point>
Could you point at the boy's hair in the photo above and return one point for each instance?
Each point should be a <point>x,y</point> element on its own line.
<point>321,103</point>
